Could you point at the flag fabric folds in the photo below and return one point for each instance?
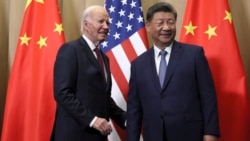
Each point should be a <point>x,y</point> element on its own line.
<point>30,106</point>
<point>209,24</point>
<point>126,40</point>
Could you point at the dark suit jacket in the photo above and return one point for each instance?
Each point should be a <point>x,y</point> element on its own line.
<point>184,109</point>
<point>81,93</point>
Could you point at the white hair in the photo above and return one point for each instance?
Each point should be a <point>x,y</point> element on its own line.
<point>86,14</point>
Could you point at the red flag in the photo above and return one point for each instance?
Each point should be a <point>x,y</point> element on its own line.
<point>127,39</point>
<point>209,24</point>
<point>30,106</point>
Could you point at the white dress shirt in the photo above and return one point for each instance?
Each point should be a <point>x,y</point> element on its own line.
<point>158,57</point>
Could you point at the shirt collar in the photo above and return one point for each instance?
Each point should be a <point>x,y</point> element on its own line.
<point>167,49</point>
<point>89,42</point>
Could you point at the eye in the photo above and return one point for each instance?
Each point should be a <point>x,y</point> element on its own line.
<point>107,22</point>
<point>159,23</point>
<point>171,22</point>
<point>104,21</point>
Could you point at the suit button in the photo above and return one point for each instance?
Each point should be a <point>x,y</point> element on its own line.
<point>161,116</point>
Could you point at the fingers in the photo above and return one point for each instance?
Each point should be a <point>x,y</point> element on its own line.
<point>103,126</point>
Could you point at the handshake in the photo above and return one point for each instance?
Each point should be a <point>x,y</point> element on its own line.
<point>103,126</point>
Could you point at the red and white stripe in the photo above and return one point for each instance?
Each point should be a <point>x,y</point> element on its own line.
<point>120,58</point>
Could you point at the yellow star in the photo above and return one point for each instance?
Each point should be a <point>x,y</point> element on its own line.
<point>211,31</point>
<point>228,16</point>
<point>58,28</point>
<point>40,1</point>
<point>190,28</point>
<point>42,42</point>
<point>29,2</point>
<point>25,39</point>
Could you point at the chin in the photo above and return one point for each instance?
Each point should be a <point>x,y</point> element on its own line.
<point>102,38</point>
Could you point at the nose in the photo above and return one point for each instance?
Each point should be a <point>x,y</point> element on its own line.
<point>166,26</point>
<point>106,25</point>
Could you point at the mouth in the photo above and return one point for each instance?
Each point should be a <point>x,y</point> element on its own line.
<point>167,34</point>
<point>103,33</point>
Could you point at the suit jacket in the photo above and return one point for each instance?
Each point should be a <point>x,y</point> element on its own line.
<point>81,93</point>
<point>184,109</point>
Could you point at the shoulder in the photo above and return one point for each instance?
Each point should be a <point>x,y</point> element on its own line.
<point>187,48</point>
<point>187,45</point>
<point>71,45</point>
<point>141,58</point>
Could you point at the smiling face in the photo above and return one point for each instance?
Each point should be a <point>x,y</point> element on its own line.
<point>162,28</point>
<point>96,25</point>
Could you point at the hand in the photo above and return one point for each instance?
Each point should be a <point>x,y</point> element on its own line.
<point>103,126</point>
<point>209,138</point>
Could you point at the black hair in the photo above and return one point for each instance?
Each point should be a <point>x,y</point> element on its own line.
<point>160,7</point>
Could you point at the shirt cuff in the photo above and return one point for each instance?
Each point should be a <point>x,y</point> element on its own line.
<point>92,122</point>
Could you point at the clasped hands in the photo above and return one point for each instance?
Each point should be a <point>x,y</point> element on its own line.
<point>103,126</point>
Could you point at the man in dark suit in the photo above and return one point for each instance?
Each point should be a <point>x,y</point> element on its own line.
<point>82,86</point>
<point>183,107</point>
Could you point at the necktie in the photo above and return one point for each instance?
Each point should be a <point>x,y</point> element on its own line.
<point>100,60</point>
<point>163,67</point>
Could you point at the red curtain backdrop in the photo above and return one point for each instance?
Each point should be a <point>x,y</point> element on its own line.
<point>30,106</point>
<point>210,24</point>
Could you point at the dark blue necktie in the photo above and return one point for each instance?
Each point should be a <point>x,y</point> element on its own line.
<point>163,67</point>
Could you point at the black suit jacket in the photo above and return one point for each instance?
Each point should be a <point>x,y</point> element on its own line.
<point>81,93</point>
<point>184,109</point>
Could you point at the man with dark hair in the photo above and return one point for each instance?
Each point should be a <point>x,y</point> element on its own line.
<point>171,91</point>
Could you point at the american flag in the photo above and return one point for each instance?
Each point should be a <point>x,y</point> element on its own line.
<point>127,39</point>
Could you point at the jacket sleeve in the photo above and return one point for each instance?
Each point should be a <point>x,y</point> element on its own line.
<point>207,95</point>
<point>65,78</point>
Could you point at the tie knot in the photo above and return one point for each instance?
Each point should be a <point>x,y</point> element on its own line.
<point>97,49</point>
<point>163,53</point>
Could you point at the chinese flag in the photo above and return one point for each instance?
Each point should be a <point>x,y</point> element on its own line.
<point>209,24</point>
<point>30,106</point>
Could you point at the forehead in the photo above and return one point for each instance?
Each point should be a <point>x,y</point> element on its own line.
<point>99,13</point>
<point>163,15</point>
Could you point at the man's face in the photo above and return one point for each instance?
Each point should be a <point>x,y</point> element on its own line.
<point>97,26</point>
<point>162,28</point>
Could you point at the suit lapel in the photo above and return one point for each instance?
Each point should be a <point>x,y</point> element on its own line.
<point>173,60</point>
<point>88,52</point>
<point>90,55</point>
<point>153,72</point>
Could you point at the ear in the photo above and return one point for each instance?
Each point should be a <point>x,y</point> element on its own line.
<point>147,26</point>
<point>85,23</point>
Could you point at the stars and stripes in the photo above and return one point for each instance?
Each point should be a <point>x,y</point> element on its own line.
<point>127,39</point>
